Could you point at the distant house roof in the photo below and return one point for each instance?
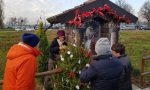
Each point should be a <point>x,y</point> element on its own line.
<point>70,14</point>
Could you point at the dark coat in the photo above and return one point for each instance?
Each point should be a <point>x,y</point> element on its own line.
<point>103,74</point>
<point>125,83</point>
<point>54,49</point>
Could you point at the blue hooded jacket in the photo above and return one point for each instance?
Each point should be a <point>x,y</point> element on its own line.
<point>103,74</point>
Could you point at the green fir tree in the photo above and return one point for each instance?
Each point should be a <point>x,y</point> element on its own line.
<point>43,47</point>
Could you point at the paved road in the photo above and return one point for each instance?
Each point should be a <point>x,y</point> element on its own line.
<point>137,88</point>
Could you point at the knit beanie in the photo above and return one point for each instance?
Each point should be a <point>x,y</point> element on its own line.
<point>102,46</point>
<point>30,39</point>
<point>61,33</point>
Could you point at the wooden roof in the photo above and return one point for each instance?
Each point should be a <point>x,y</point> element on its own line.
<point>70,14</point>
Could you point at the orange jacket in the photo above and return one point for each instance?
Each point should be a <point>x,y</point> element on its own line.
<point>20,68</point>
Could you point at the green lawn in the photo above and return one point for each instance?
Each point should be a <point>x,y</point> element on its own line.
<point>137,45</point>
<point>136,42</point>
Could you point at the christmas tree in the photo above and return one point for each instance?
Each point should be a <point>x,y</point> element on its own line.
<point>73,60</point>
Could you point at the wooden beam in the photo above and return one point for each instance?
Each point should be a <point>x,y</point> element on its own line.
<point>146,58</point>
<point>42,74</point>
<point>142,71</point>
<point>145,73</point>
<point>1,82</point>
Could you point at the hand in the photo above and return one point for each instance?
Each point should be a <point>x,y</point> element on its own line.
<point>60,48</point>
<point>87,65</point>
<point>82,84</point>
<point>64,47</point>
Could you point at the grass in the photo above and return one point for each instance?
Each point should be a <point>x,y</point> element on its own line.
<point>136,42</point>
<point>7,39</point>
<point>137,45</point>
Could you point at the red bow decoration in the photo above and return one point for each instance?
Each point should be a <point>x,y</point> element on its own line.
<point>100,9</point>
<point>86,14</point>
<point>77,21</point>
<point>93,11</point>
<point>107,8</point>
<point>77,12</point>
<point>128,21</point>
<point>112,12</point>
<point>101,14</point>
<point>122,18</point>
<point>71,22</point>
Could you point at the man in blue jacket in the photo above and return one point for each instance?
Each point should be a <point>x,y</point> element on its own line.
<point>103,73</point>
<point>118,50</point>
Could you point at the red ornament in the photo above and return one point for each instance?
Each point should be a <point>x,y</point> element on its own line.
<point>88,54</point>
<point>71,75</point>
<point>82,50</point>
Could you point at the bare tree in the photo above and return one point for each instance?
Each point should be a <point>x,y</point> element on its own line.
<point>1,14</point>
<point>124,5</point>
<point>21,21</point>
<point>145,11</point>
<point>12,21</point>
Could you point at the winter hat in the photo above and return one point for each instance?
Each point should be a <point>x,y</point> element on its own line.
<point>61,33</point>
<point>30,39</point>
<point>102,46</point>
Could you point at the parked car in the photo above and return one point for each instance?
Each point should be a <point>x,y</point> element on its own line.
<point>128,27</point>
<point>30,29</point>
<point>144,27</point>
<point>18,29</point>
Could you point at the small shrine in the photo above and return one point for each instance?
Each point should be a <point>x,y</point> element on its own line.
<point>92,20</point>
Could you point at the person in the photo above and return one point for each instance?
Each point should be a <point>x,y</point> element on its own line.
<point>118,50</point>
<point>21,64</point>
<point>56,46</point>
<point>103,73</point>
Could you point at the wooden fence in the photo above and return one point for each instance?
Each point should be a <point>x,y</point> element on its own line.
<point>41,74</point>
<point>143,73</point>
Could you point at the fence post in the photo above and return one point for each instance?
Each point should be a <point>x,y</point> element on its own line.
<point>141,74</point>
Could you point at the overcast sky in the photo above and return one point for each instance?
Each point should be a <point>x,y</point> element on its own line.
<point>34,9</point>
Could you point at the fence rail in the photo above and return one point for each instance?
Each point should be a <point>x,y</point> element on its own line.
<point>143,73</point>
<point>41,74</point>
